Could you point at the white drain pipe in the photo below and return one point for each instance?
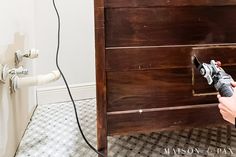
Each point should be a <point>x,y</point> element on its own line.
<point>19,82</point>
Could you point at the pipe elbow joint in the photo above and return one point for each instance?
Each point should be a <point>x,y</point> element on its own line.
<point>19,82</point>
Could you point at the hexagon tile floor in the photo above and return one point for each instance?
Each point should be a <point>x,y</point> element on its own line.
<point>53,132</point>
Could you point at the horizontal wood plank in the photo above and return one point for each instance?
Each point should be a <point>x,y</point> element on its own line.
<point>164,120</point>
<point>170,3</point>
<point>152,89</point>
<point>148,58</point>
<point>144,59</point>
<point>170,26</point>
<point>161,57</point>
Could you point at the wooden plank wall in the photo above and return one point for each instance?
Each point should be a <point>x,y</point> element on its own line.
<point>144,62</point>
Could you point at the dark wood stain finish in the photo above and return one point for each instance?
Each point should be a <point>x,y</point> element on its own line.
<point>162,120</point>
<point>169,26</point>
<point>166,3</point>
<point>127,59</point>
<point>152,89</point>
<point>144,73</point>
<point>100,77</point>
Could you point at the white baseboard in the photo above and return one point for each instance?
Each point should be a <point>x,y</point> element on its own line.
<point>60,94</point>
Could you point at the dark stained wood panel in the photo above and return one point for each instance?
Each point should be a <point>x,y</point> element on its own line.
<point>100,77</point>
<point>143,63</point>
<point>145,78</point>
<point>171,3</point>
<point>164,120</point>
<point>148,58</point>
<point>170,26</point>
<point>152,89</point>
<point>226,54</point>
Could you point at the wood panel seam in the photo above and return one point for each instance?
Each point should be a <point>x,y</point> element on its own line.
<point>140,111</point>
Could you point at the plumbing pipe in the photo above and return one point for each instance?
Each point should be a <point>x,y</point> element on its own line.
<point>18,82</point>
<point>32,53</point>
<point>3,72</point>
<point>18,71</point>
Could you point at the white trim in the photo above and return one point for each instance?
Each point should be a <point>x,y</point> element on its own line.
<point>60,94</point>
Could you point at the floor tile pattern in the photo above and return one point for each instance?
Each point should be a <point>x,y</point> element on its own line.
<point>53,132</point>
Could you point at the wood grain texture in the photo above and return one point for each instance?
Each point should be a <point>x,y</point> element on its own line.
<point>225,54</point>
<point>164,120</point>
<point>152,77</point>
<point>100,77</point>
<point>127,59</point>
<point>179,56</point>
<point>170,3</point>
<point>170,26</point>
<point>152,89</point>
<point>143,61</point>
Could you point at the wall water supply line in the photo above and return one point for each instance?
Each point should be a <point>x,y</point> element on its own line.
<point>19,82</point>
<point>16,81</point>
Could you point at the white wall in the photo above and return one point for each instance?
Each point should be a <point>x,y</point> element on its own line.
<point>32,23</point>
<point>16,32</point>
<point>77,39</point>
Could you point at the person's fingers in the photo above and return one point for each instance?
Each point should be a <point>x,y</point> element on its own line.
<point>225,101</point>
<point>222,99</point>
<point>223,113</point>
<point>234,89</point>
<point>226,116</point>
<point>221,107</point>
<point>233,84</point>
<point>230,120</point>
<point>218,96</point>
<point>224,108</point>
<point>229,102</point>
